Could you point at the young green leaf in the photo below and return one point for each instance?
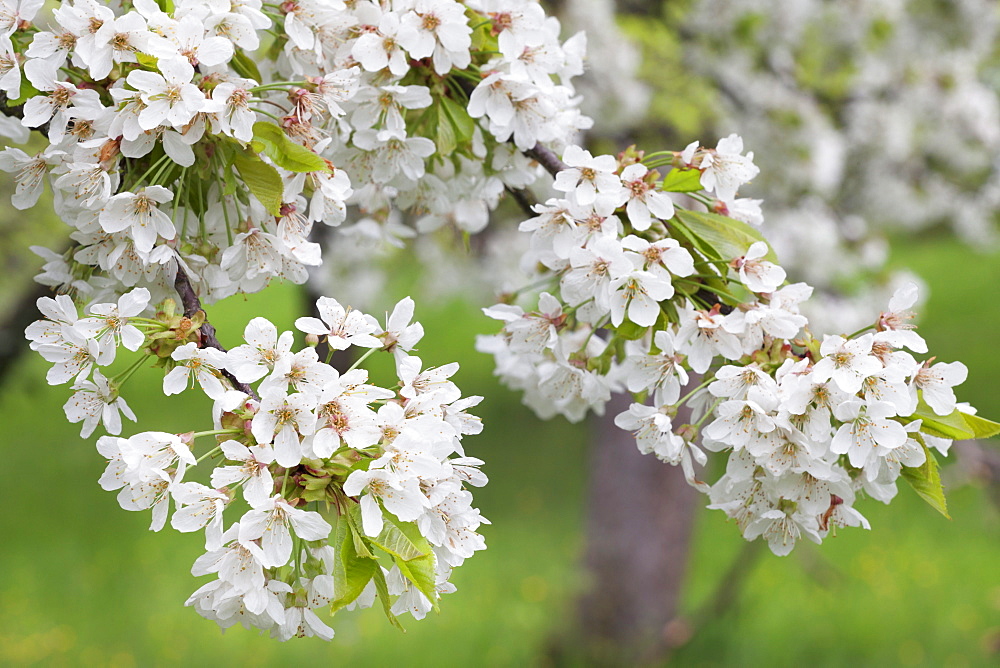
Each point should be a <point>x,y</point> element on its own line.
<point>245,65</point>
<point>351,571</point>
<point>952,426</point>
<point>682,181</point>
<point>262,180</point>
<point>459,118</point>
<point>926,481</point>
<point>981,427</point>
<point>420,572</point>
<point>285,153</point>
<point>382,589</point>
<point>729,238</point>
<point>398,544</point>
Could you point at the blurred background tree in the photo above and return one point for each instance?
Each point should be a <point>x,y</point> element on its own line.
<point>870,120</point>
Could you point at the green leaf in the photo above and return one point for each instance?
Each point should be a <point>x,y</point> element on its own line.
<point>397,543</point>
<point>630,331</point>
<point>283,151</point>
<point>146,60</point>
<point>729,238</point>
<point>262,179</point>
<point>351,571</point>
<point>353,516</point>
<point>682,181</point>
<point>382,589</point>
<point>420,572</point>
<point>245,65</point>
<point>444,133</point>
<point>926,481</point>
<point>952,426</point>
<point>459,118</point>
<point>981,427</point>
<point>27,92</point>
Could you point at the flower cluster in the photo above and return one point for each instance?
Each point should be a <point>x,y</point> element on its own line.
<point>311,448</point>
<point>646,296</point>
<point>172,142</point>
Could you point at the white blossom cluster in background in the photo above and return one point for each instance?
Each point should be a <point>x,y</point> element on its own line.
<point>878,116</point>
<point>309,447</point>
<point>173,142</point>
<point>686,310</point>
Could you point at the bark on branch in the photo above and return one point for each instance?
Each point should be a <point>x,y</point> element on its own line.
<point>191,304</point>
<point>547,158</point>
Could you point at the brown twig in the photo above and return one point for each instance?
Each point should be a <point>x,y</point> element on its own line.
<point>191,304</point>
<point>547,158</point>
<point>523,199</point>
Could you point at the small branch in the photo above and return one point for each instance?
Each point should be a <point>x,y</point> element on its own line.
<point>547,158</point>
<point>523,199</point>
<point>191,304</point>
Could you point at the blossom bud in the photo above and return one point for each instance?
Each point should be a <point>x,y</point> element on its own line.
<point>312,340</point>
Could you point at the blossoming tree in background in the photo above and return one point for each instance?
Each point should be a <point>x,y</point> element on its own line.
<point>197,147</point>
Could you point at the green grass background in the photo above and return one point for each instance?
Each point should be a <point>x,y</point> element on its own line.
<point>83,582</point>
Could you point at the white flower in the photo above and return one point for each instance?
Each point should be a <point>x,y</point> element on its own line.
<point>10,70</point>
<point>343,327</point>
<point>703,335</point>
<point>199,507</point>
<point>433,381</point>
<point>60,312</point>
<point>169,96</point>
<point>74,356</point>
<point>725,169</point>
<point>936,383</point>
<point>661,372</point>
<point>588,177</point>
<point>662,258</point>
<point>28,173</point>
<point>395,153</point>
<point>138,213</point>
<point>894,326</point>
<point>380,49</point>
<point>757,274</point>
<point>400,335</point>
<point>301,372</point>
<point>253,473</point>
<point>385,106</point>
<point>437,28</point>
<point>62,101</point>
<point>239,564</point>
<point>530,333</point>
<point>113,319</point>
<point>94,403</point>
<point>273,522</point>
<point>263,349</point>
<point>847,361</point>
<point>89,182</point>
<point>402,497</point>
<point>283,419</point>
<point>202,363</point>
<point>644,200</point>
<point>236,118</point>
<point>868,432</point>
<point>13,12</point>
<point>638,293</point>
<point>652,429</point>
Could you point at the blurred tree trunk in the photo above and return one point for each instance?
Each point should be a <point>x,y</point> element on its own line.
<point>639,526</point>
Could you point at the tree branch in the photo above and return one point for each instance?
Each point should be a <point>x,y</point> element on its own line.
<point>191,304</point>
<point>547,158</point>
<point>523,199</point>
